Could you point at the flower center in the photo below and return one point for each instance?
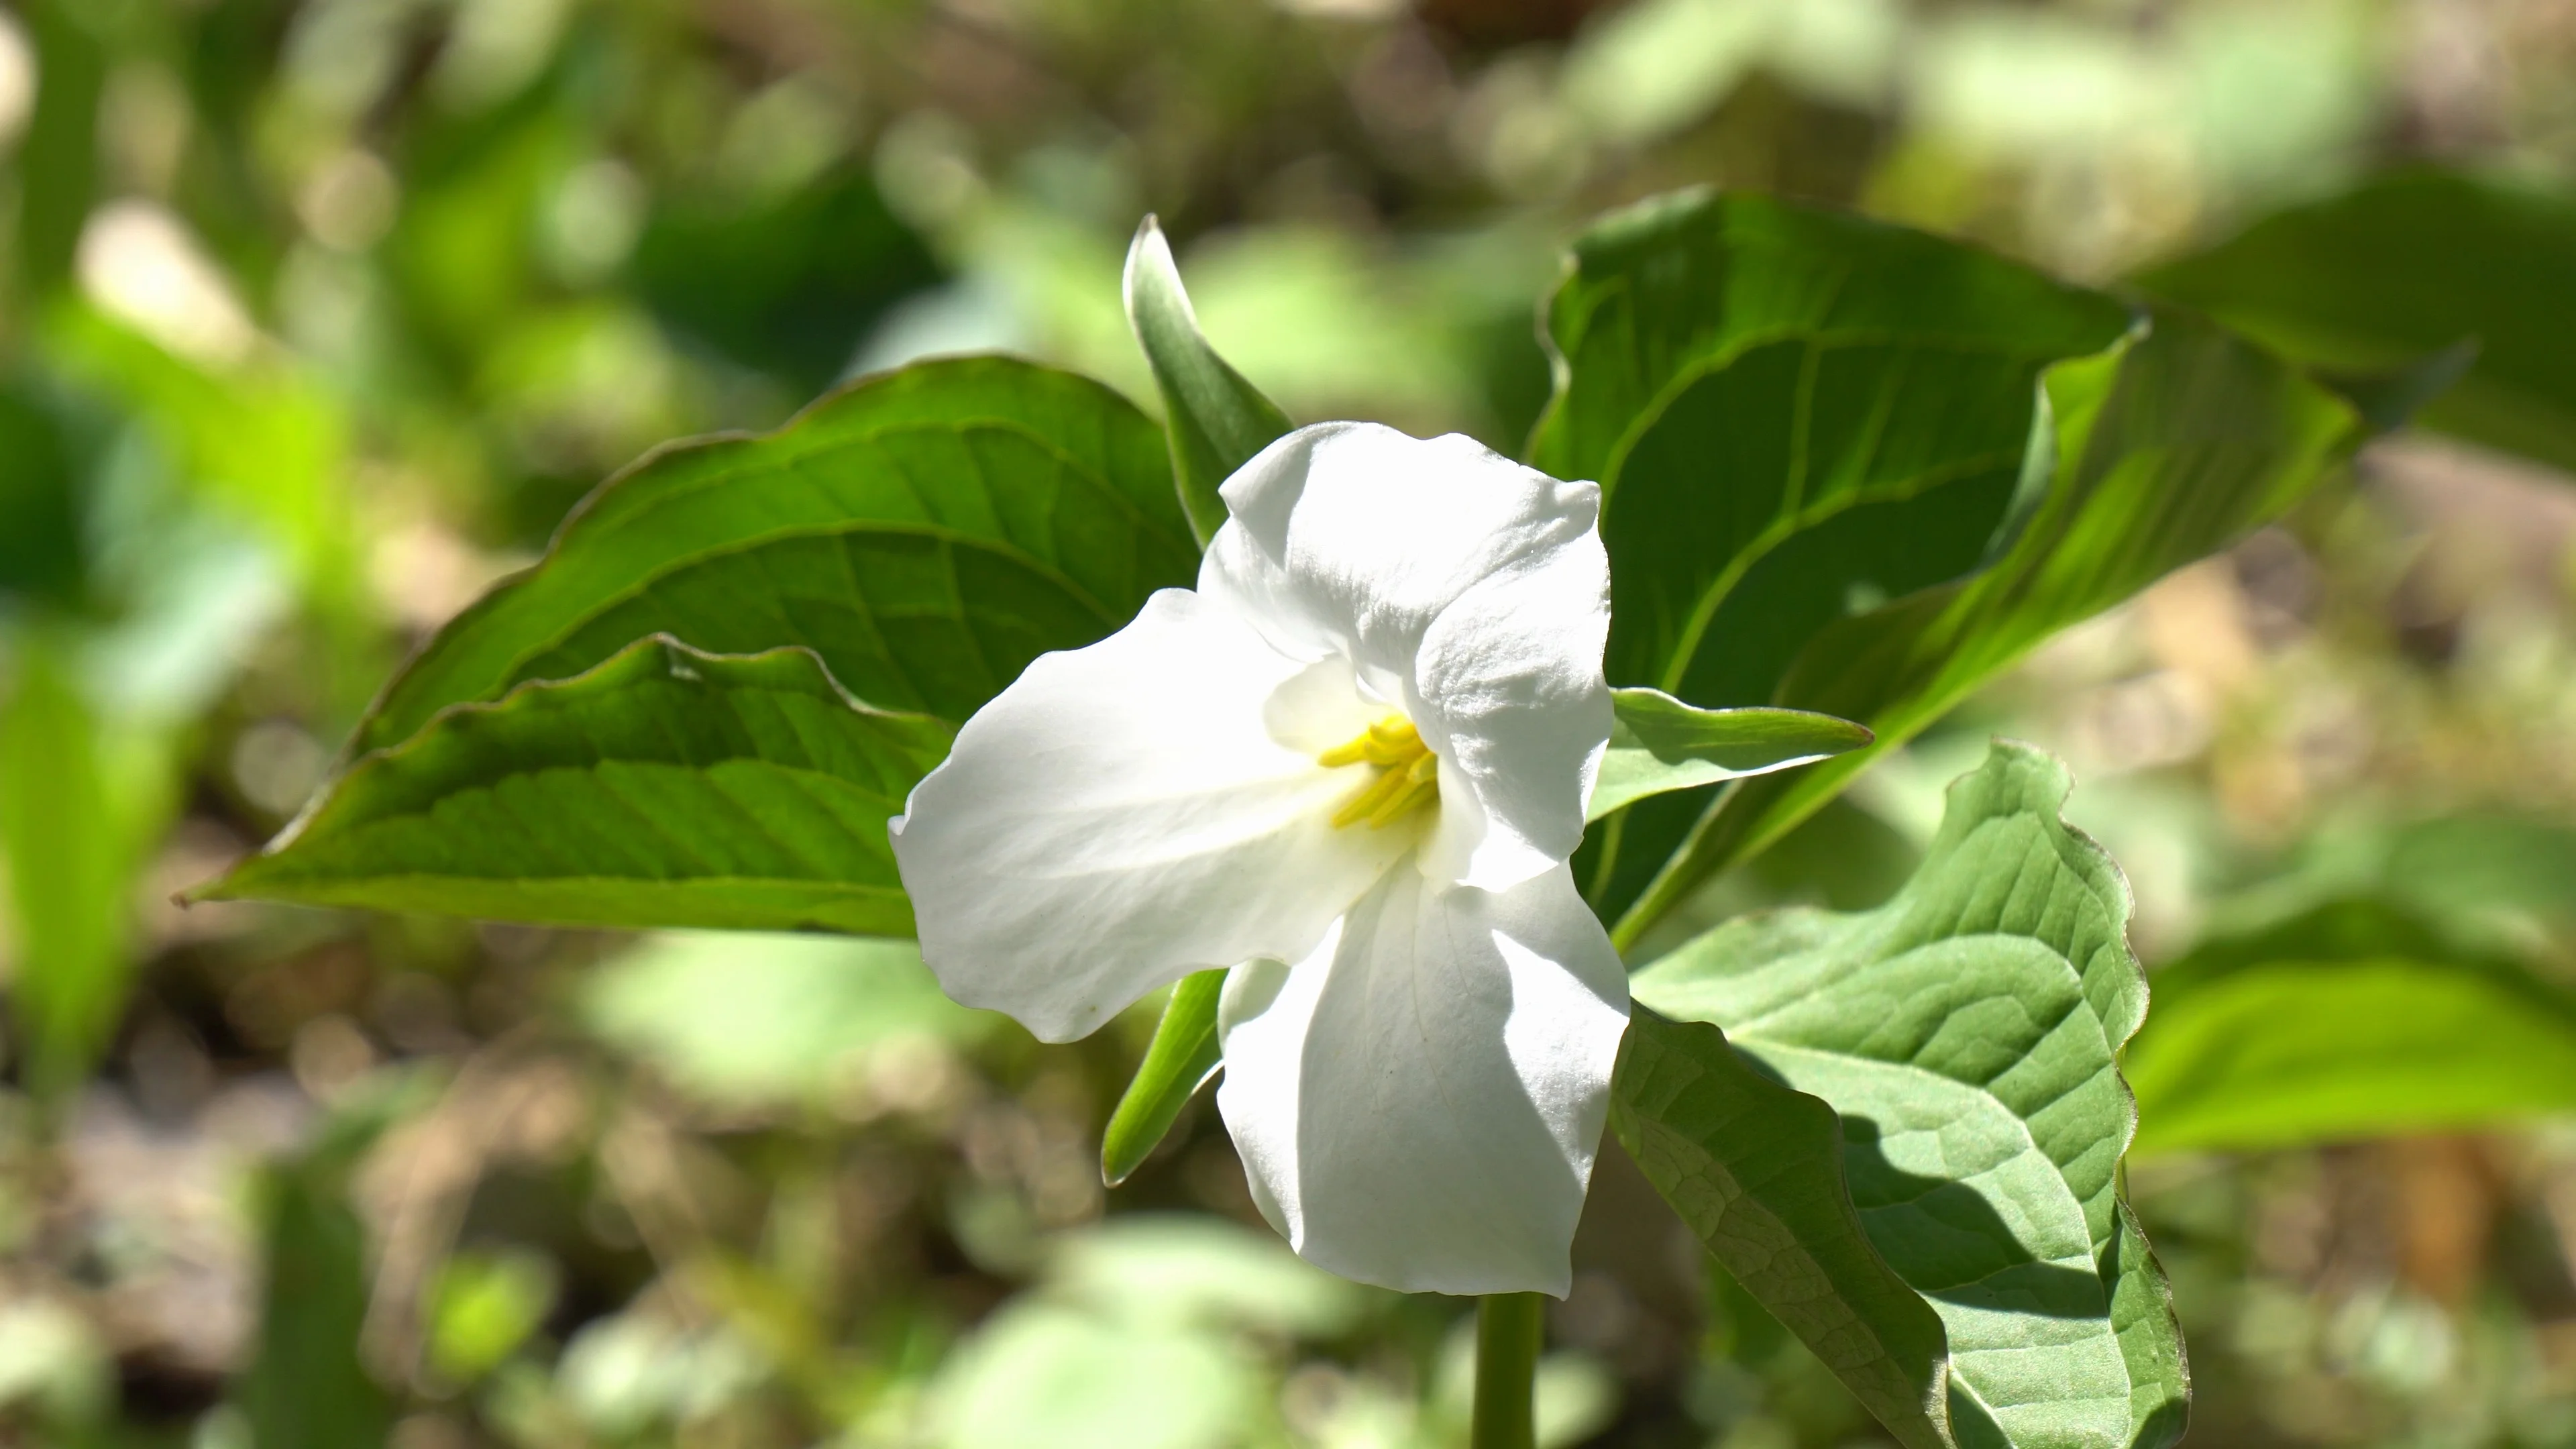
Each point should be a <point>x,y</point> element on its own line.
<point>1407,778</point>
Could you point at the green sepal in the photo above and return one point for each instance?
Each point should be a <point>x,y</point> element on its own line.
<point>1216,421</point>
<point>1658,743</point>
<point>1181,1058</point>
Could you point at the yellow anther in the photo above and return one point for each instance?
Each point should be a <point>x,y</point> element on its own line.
<point>1421,785</point>
<point>1395,729</point>
<point>1344,754</point>
<point>1408,774</point>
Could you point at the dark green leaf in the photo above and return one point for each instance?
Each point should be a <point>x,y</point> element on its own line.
<point>307,1386</point>
<point>1216,419</point>
<point>2166,448</point>
<point>666,787</point>
<point>2408,265</point>
<point>1658,743</point>
<point>1756,1172</point>
<point>927,533</point>
<point>788,283</point>
<point>59,157</point>
<point>41,504</point>
<point>2352,1020</point>
<point>1180,1059</point>
<point>1793,415</point>
<point>1966,1033</point>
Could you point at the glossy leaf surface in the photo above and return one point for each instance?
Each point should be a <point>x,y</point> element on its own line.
<point>925,532</point>
<point>2165,449</point>
<point>1793,414</point>
<point>1966,1033</point>
<point>667,787</point>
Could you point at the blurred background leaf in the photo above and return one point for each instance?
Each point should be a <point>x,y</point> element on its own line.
<point>2408,265</point>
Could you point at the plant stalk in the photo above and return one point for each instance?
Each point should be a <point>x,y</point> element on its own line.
<point>1508,1327</point>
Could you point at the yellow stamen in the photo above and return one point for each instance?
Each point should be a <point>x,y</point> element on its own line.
<point>1421,784</point>
<point>1344,754</point>
<point>1408,774</point>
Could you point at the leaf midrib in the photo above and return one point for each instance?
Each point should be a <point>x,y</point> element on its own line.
<point>490,786</point>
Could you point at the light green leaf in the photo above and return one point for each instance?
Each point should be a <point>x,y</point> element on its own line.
<point>666,787</point>
<point>1793,414</point>
<point>1217,421</point>
<point>2350,1021</point>
<point>1966,1033</point>
<point>2407,265</point>
<point>65,847</point>
<point>1041,1373</point>
<point>2166,448</point>
<point>1658,743</point>
<point>755,1020</point>
<point>1180,1059</point>
<point>925,532</point>
<point>1159,1268</point>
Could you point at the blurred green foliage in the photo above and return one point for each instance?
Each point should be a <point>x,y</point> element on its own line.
<point>318,316</point>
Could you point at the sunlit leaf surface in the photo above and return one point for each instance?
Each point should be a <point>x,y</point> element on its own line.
<point>665,788</point>
<point>926,533</point>
<point>1966,1033</point>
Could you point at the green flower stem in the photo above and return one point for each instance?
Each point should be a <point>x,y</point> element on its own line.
<point>1507,1338</point>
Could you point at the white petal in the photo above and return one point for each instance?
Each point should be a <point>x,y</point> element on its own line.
<point>1471,592</point>
<point>1128,813</point>
<point>1417,1103</point>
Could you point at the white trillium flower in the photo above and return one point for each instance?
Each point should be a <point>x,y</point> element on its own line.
<point>1351,764</point>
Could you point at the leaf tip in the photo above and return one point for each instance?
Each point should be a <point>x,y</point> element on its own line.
<point>1150,266</point>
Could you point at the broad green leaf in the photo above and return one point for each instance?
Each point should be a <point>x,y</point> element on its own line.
<point>926,533</point>
<point>1182,1056</point>
<point>2350,1021</point>
<point>1756,1172</point>
<point>1787,409</point>
<point>2411,264</point>
<point>1793,415</point>
<point>1658,743</point>
<point>1966,1032</point>
<point>2165,449</point>
<point>1217,421</point>
<point>666,787</point>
